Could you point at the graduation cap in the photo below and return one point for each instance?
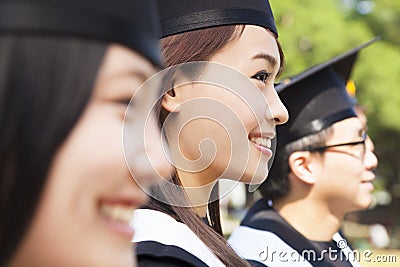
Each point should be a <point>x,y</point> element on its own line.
<point>128,22</point>
<point>179,16</point>
<point>317,98</point>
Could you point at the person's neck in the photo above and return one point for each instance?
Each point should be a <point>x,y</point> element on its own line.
<point>198,189</point>
<point>312,219</point>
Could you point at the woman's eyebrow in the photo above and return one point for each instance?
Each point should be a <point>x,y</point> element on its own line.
<point>141,75</point>
<point>270,59</point>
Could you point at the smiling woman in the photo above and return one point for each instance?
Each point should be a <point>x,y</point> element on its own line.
<point>66,76</point>
<point>206,144</point>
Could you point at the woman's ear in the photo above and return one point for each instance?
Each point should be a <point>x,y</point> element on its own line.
<point>171,101</point>
<point>301,164</point>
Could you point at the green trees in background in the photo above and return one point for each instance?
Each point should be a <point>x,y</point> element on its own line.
<point>313,31</point>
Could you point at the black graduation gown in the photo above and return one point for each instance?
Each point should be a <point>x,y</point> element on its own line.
<point>162,241</point>
<point>267,239</point>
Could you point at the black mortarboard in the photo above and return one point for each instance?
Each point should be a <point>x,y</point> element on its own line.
<point>131,23</point>
<point>179,16</point>
<point>317,98</point>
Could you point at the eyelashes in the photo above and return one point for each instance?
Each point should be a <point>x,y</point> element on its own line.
<point>125,101</point>
<point>262,76</point>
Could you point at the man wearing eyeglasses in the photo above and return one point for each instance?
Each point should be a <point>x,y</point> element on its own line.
<point>322,170</point>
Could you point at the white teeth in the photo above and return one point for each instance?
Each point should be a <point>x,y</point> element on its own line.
<point>118,213</point>
<point>262,141</point>
<point>259,141</point>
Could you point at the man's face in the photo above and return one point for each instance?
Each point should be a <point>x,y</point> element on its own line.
<point>344,173</point>
<point>363,118</point>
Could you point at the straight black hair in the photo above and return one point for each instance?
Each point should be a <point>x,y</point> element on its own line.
<point>45,84</point>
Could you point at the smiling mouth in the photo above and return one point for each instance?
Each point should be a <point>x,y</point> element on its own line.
<point>117,212</point>
<point>118,217</point>
<point>262,141</point>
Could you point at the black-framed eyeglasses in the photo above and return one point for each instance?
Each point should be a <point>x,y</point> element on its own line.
<point>325,148</point>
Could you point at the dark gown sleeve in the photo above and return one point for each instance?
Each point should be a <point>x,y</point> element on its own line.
<point>148,261</point>
<point>256,264</point>
<point>152,253</point>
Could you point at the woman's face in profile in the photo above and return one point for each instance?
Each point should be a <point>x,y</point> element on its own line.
<point>85,208</point>
<point>234,139</point>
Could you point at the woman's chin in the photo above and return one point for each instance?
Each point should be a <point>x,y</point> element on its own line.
<point>255,179</point>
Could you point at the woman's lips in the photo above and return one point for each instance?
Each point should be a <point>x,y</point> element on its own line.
<point>262,141</point>
<point>263,144</point>
<point>118,216</point>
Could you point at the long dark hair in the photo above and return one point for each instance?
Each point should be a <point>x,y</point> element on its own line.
<point>177,49</point>
<point>45,84</point>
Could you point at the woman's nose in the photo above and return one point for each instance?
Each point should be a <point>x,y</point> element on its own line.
<point>146,153</point>
<point>158,151</point>
<point>277,109</point>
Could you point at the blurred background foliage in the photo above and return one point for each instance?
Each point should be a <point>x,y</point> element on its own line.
<point>313,31</point>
